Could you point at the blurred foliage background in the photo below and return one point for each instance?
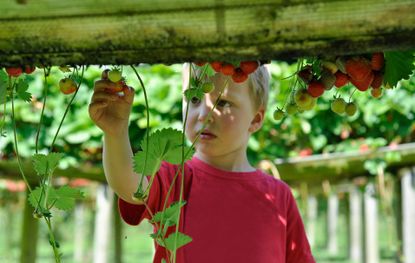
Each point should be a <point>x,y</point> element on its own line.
<point>378,122</point>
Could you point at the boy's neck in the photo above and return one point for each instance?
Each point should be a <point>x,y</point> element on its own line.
<point>227,163</point>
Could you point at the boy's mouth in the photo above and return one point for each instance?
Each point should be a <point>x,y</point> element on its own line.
<point>207,135</point>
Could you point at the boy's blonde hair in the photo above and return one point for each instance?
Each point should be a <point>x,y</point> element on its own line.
<point>258,82</point>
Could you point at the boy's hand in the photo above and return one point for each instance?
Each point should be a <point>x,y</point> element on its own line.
<point>110,111</point>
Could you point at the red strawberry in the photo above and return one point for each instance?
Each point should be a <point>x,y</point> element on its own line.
<point>216,65</point>
<point>29,69</point>
<point>305,74</point>
<point>228,69</point>
<point>378,60</point>
<point>14,72</point>
<point>200,64</point>
<point>239,76</point>
<point>364,84</point>
<point>341,79</point>
<point>377,80</point>
<point>358,68</point>
<point>248,66</point>
<point>315,88</point>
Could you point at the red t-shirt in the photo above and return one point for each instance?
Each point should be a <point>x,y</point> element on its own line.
<point>231,216</point>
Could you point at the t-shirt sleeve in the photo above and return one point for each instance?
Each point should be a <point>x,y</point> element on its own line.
<point>298,248</point>
<point>133,214</point>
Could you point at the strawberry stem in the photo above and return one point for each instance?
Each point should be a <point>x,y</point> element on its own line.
<point>66,110</point>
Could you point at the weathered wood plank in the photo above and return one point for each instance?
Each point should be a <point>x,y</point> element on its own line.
<point>130,32</point>
<point>336,167</point>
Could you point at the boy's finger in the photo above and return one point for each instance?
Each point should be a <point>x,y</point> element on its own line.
<point>104,85</point>
<point>104,74</point>
<point>96,106</point>
<point>128,93</point>
<point>99,96</point>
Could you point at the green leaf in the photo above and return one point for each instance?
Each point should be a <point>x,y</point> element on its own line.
<point>398,66</point>
<point>62,198</point>
<point>46,164</point>
<point>3,86</point>
<point>165,144</point>
<point>65,197</point>
<point>36,198</point>
<point>176,240</point>
<point>169,216</point>
<point>193,93</point>
<point>21,90</point>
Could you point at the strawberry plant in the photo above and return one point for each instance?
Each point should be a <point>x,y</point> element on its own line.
<point>45,196</point>
<point>366,72</point>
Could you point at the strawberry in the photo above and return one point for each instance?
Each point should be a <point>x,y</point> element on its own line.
<point>376,93</point>
<point>302,98</point>
<point>330,66</point>
<point>315,88</point>
<point>216,65</point>
<point>248,66</point>
<point>114,75</point>
<point>239,76</point>
<point>358,68</point>
<point>200,64</point>
<point>14,72</point>
<point>328,79</point>
<point>67,86</point>
<point>377,80</point>
<point>227,69</point>
<point>341,79</point>
<point>305,74</point>
<point>378,60</point>
<point>364,84</point>
<point>29,69</point>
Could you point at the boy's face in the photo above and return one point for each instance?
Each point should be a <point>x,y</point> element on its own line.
<point>230,124</point>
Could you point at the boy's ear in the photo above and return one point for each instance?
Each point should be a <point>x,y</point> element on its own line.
<point>258,120</point>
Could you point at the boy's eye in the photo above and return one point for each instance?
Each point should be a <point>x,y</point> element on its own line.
<point>223,103</point>
<point>195,100</point>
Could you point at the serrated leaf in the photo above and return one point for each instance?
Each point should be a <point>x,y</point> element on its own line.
<point>169,216</point>
<point>46,164</point>
<point>176,240</point>
<point>164,145</point>
<point>398,66</point>
<point>36,198</point>
<point>62,198</point>
<point>65,197</point>
<point>21,90</point>
<point>193,93</point>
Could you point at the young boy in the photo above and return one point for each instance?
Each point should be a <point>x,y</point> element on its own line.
<point>234,212</point>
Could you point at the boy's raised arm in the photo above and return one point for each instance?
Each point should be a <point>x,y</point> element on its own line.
<point>110,111</point>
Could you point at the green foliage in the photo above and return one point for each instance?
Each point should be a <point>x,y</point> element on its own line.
<point>163,145</point>
<point>21,90</point>
<point>44,165</point>
<point>62,198</point>
<point>399,65</point>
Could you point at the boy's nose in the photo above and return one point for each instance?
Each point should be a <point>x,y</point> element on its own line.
<point>205,107</point>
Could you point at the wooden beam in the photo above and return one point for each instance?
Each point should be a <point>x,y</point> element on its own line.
<point>312,170</point>
<point>171,31</point>
<point>337,167</point>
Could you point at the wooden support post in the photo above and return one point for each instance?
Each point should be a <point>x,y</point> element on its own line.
<point>80,233</point>
<point>408,214</point>
<point>355,228</point>
<point>117,232</point>
<point>29,235</point>
<point>332,219</point>
<point>102,234</point>
<point>311,219</point>
<point>371,225</point>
